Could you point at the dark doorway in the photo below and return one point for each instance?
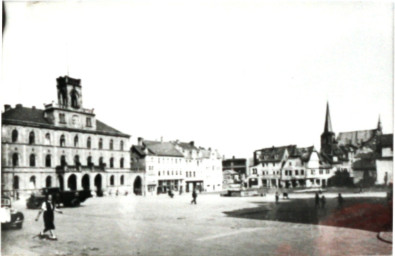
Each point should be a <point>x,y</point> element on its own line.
<point>61,182</point>
<point>48,182</point>
<point>98,184</point>
<point>85,182</point>
<point>72,182</point>
<point>137,186</point>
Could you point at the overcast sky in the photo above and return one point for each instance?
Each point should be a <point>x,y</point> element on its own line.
<point>235,75</point>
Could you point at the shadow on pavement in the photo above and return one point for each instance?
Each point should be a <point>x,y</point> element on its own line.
<point>371,214</point>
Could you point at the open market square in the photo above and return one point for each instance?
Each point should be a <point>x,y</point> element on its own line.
<point>216,225</point>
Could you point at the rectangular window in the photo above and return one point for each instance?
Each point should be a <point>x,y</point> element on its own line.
<point>88,122</point>
<point>302,172</point>
<point>321,171</point>
<point>327,171</point>
<point>62,118</point>
<point>296,172</point>
<point>312,172</point>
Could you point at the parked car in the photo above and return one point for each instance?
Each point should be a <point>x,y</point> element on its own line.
<point>66,198</point>
<point>9,216</point>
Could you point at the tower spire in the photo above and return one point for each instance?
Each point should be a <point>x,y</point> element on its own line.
<point>328,122</point>
<point>379,126</point>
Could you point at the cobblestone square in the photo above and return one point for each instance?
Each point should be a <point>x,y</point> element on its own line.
<point>160,225</point>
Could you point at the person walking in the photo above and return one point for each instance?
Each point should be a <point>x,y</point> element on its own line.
<point>194,196</point>
<point>340,200</point>
<point>277,197</point>
<point>317,199</point>
<point>48,209</point>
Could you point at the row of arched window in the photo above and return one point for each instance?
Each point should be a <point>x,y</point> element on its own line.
<point>48,160</point>
<point>48,181</point>
<point>62,140</point>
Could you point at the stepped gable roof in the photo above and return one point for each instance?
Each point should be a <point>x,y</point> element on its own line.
<point>386,140</point>
<point>275,154</point>
<point>159,148</point>
<point>355,138</point>
<point>35,118</point>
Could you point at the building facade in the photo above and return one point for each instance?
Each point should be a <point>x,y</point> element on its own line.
<point>234,171</point>
<point>289,167</point>
<point>176,166</point>
<point>63,145</point>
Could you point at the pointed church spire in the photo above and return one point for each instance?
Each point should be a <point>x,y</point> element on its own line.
<point>328,122</point>
<point>379,126</point>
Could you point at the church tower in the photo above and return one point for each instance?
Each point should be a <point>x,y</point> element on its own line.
<point>328,136</point>
<point>69,92</point>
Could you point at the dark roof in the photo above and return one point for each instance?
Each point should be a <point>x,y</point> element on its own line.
<point>275,154</point>
<point>139,150</point>
<point>162,148</point>
<point>187,145</point>
<point>35,118</point>
<point>303,153</point>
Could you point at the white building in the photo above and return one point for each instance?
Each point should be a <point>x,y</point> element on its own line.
<point>177,166</point>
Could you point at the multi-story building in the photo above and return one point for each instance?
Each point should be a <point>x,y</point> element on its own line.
<point>289,167</point>
<point>177,166</point>
<point>162,164</point>
<point>62,145</point>
<point>234,170</point>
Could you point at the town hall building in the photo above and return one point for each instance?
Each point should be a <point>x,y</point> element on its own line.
<point>63,145</point>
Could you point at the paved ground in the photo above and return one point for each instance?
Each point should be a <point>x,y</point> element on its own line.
<point>162,226</point>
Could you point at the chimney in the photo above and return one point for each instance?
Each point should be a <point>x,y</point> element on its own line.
<point>161,138</point>
<point>233,157</point>
<point>19,106</point>
<point>192,143</point>
<point>140,141</point>
<point>33,107</point>
<point>7,107</point>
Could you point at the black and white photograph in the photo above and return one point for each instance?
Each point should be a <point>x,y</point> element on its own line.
<point>197,127</point>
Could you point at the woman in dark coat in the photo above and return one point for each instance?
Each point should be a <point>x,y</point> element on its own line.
<point>48,209</point>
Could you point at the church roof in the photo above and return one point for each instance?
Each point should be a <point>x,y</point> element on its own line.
<point>355,138</point>
<point>34,117</point>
